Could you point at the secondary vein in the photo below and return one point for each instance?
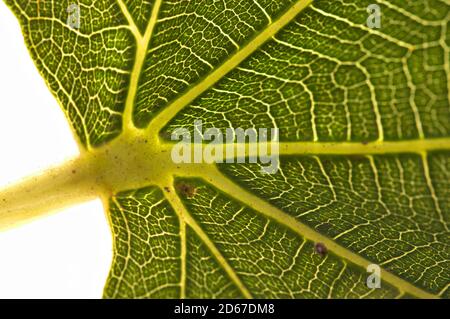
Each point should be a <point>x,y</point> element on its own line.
<point>142,42</point>
<point>184,215</point>
<point>160,120</point>
<point>218,180</point>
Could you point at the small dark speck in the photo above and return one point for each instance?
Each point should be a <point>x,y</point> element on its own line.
<point>186,190</point>
<point>365,142</point>
<point>167,189</point>
<point>74,171</point>
<point>146,141</point>
<point>320,249</point>
<point>165,135</point>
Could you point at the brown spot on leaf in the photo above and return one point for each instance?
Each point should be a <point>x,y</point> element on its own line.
<point>186,189</point>
<point>165,135</point>
<point>167,189</point>
<point>320,249</point>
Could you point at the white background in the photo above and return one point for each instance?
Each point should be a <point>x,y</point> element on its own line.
<point>65,255</point>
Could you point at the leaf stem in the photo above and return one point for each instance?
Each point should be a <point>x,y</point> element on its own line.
<point>58,187</point>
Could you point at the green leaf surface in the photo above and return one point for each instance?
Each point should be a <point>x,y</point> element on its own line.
<point>364,119</point>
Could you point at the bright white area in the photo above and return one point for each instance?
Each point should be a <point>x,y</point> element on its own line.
<point>65,255</point>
